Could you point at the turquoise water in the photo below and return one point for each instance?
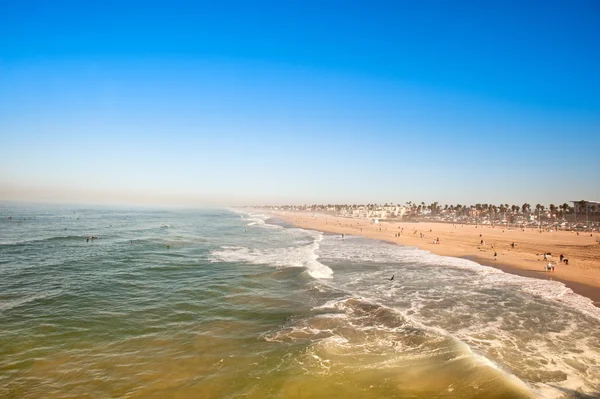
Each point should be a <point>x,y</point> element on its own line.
<point>232,304</point>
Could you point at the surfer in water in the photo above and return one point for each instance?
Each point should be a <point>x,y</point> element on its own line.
<point>392,279</point>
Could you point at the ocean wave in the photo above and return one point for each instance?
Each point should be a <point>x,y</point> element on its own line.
<point>260,220</point>
<point>342,329</point>
<point>492,277</point>
<point>372,251</point>
<point>295,256</point>
<point>23,300</point>
<point>256,219</point>
<point>487,309</point>
<point>44,240</point>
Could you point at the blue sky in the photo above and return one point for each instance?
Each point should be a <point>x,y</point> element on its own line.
<point>279,102</point>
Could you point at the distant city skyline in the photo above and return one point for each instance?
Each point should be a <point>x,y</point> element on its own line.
<point>261,103</point>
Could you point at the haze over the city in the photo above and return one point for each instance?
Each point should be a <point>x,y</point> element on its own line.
<point>251,103</point>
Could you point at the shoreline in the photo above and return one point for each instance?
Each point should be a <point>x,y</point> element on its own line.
<point>582,275</point>
<point>582,289</point>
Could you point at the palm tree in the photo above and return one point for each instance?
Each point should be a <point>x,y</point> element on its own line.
<point>552,210</point>
<point>538,208</point>
<point>582,204</point>
<point>565,208</point>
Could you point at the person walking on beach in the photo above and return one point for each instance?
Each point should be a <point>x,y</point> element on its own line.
<point>392,279</point>
<point>495,255</point>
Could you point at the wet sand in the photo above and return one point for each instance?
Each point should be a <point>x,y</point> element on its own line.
<point>582,274</point>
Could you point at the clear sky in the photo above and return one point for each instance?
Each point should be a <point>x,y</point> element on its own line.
<point>298,101</point>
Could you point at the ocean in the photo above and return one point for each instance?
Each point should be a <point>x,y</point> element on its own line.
<point>238,304</point>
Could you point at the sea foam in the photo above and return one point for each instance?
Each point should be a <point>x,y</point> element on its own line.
<point>302,254</point>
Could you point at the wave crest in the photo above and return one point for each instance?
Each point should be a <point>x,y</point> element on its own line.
<point>295,256</point>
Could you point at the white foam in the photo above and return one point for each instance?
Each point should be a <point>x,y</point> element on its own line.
<point>295,256</point>
<point>430,278</point>
<point>334,304</point>
<point>432,293</point>
<point>380,252</point>
<point>259,220</point>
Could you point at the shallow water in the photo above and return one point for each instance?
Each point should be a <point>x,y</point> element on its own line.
<point>225,304</point>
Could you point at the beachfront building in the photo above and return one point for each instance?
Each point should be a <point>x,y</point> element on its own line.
<point>400,211</point>
<point>581,207</point>
<point>372,211</point>
<point>586,210</point>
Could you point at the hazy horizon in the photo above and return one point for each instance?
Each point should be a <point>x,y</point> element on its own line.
<point>239,104</point>
<point>139,199</point>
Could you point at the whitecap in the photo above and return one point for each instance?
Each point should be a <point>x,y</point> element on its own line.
<point>294,256</point>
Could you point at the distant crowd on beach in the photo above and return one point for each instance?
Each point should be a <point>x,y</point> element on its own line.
<point>378,227</point>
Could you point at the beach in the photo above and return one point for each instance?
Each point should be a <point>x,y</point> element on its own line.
<point>525,258</point>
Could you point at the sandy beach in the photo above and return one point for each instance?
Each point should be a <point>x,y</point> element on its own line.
<point>582,274</point>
